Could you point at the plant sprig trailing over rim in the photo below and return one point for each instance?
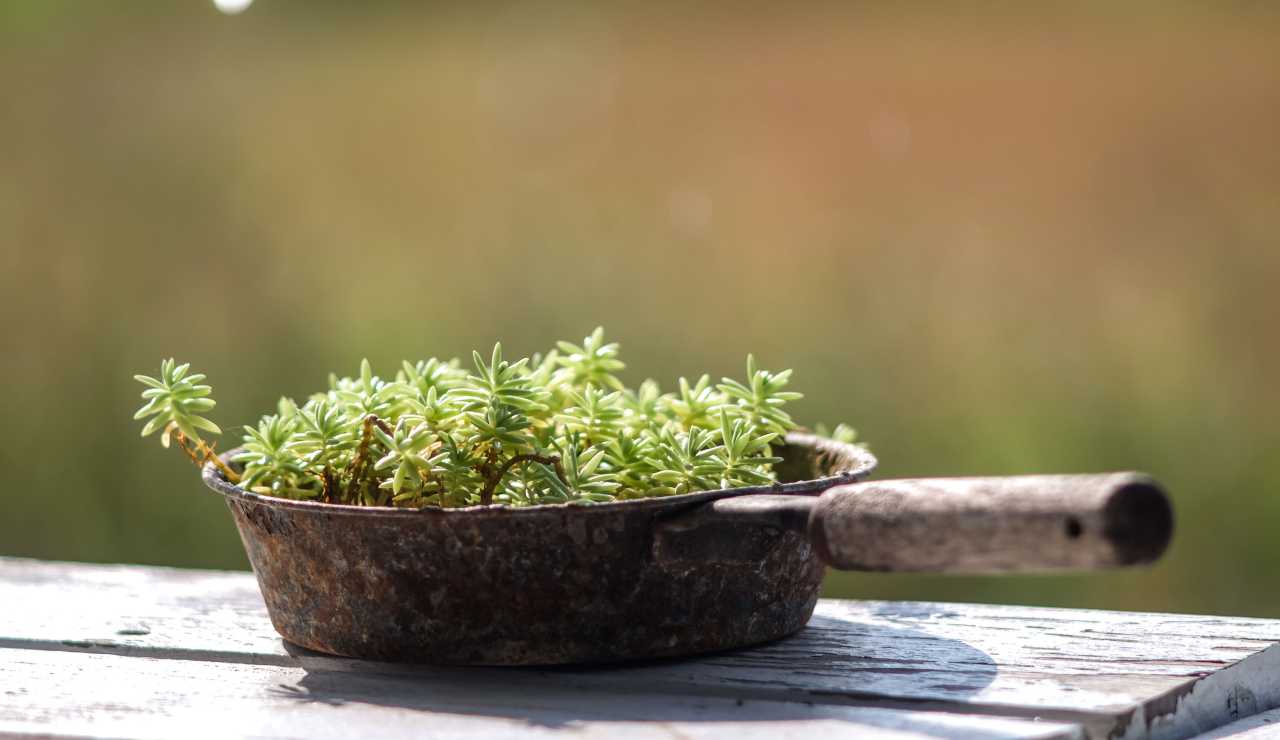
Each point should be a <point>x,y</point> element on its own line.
<point>554,428</point>
<point>174,401</point>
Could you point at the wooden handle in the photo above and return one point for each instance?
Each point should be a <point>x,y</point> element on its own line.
<point>993,525</point>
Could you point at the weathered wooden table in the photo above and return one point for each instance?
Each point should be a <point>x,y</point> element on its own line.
<point>155,652</point>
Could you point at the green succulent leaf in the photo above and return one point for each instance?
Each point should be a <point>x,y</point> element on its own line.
<point>593,362</point>
<point>175,400</point>
<point>272,463</point>
<point>761,398</point>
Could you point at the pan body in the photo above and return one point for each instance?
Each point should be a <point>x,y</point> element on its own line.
<point>537,585</point>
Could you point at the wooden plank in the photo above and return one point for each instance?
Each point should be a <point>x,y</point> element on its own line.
<point>1222,697</point>
<point>1112,672</point>
<point>1259,726</point>
<point>64,693</point>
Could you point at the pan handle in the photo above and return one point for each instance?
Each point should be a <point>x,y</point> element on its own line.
<point>993,525</point>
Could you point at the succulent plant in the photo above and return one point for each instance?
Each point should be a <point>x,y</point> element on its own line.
<point>555,428</point>
<point>174,401</point>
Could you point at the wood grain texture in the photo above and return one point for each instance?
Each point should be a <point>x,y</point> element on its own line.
<point>1110,672</point>
<point>993,525</point>
<point>110,695</point>
<point>1259,726</point>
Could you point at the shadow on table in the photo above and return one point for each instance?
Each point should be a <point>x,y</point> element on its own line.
<point>833,670</point>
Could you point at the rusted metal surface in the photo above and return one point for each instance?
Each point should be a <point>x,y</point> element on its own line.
<point>537,585</point>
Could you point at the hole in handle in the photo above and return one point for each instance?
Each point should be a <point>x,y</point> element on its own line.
<point>1138,522</point>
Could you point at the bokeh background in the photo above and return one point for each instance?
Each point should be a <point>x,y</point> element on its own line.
<point>995,240</point>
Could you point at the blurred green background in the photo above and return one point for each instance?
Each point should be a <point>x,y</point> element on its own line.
<point>996,241</point>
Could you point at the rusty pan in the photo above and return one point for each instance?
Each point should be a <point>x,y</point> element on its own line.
<point>669,576</point>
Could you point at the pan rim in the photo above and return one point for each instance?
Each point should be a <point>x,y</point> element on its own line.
<point>864,463</point>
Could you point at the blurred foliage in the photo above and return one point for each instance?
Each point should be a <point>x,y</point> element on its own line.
<point>996,241</point>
